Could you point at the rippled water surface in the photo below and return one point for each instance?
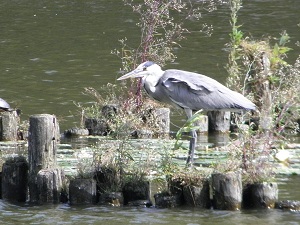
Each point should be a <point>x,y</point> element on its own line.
<point>65,214</point>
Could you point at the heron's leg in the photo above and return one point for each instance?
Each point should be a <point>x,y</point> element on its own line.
<point>193,141</point>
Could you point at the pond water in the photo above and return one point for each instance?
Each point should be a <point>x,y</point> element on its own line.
<point>65,214</point>
<point>51,50</point>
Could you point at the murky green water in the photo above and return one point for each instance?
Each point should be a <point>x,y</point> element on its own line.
<point>51,50</point>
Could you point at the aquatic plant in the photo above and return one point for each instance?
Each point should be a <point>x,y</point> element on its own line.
<point>258,67</point>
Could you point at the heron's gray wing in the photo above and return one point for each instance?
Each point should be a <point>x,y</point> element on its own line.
<point>196,91</point>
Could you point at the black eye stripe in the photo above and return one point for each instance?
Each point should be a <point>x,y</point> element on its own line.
<point>145,68</point>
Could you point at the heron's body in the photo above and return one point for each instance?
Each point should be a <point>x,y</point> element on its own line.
<point>194,91</point>
<point>187,90</point>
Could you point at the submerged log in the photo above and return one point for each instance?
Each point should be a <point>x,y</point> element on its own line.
<point>261,195</point>
<point>15,179</point>
<point>42,148</point>
<point>82,191</point>
<point>227,191</point>
<point>9,121</point>
<point>49,185</point>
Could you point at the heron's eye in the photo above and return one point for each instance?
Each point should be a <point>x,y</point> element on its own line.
<point>145,68</point>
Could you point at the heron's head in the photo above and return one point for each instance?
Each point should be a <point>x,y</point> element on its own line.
<point>143,70</point>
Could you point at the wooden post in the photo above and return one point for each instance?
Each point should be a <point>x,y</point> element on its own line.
<point>219,121</point>
<point>197,195</point>
<point>165,200</point>
<point>227,191</point>
<point>15,179</point>
<point>82,191</point>
<point>136,191</point>
<point>49,185</point>
<point>112,199</point>
<point>260,195</point>
<point>9,121</point>
<point>202,132</point>
<point>96,126</point>
<point>42,147</point>
<point>163,118</point>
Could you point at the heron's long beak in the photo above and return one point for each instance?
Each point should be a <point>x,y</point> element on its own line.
<point>133,74</point>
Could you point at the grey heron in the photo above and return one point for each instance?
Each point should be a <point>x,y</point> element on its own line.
<point>189,91</point>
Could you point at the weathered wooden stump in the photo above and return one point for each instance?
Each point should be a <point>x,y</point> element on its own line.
<point>109,111</point>
<point>42,147</point>
<point>96,126</point>
<point>49,185</point>
<point>202,130</point>
<point>9,121</point>
<point>266,122</point>
<point>162,116</point>
<point>15,179</point>
<point>176,189</point>
<point>197,195</point>
<point>136,190</point>
<point>157,186</point>
<point>220,138</point>
<point>218,121</point>
<point>165,200</point>
<point>227,191</point>
<point>82,191</point>
<point>202,125</point>
<point>260,195</point>
<point>112,198</point>
<point>108,180</point>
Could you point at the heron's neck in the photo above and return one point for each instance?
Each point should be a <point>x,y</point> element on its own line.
<point>152,79</point>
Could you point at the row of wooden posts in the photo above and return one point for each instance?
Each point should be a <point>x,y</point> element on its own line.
<point>45,180</point>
